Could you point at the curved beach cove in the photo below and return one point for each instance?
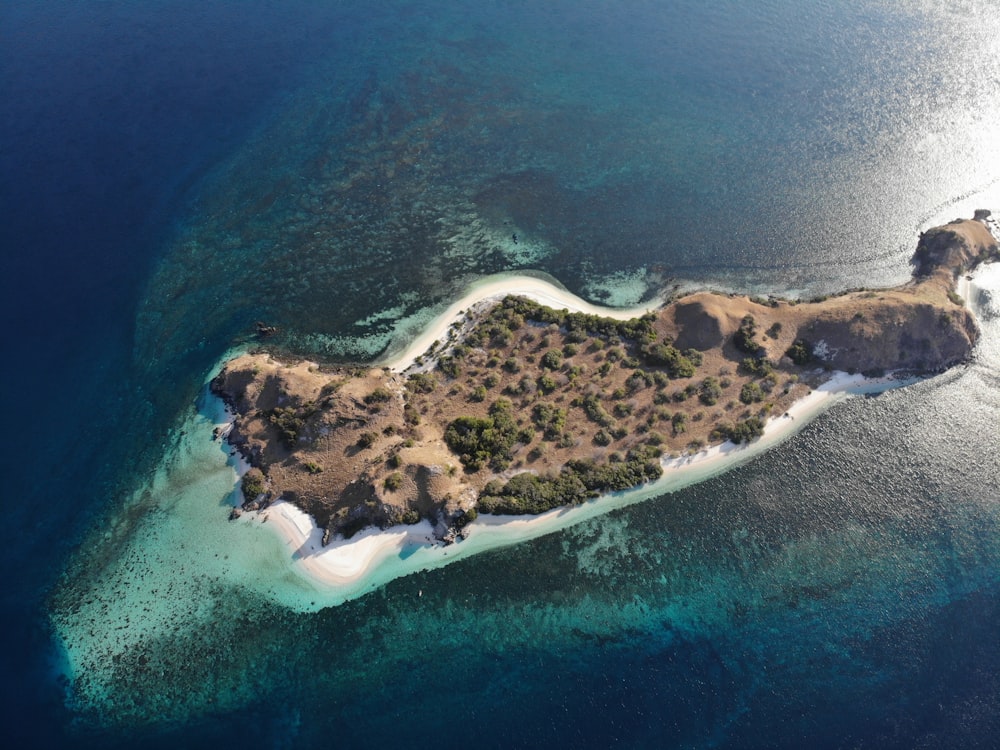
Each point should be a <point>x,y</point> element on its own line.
<point>345,569</point>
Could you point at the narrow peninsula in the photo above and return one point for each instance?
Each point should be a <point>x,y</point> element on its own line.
<point>522,408</point>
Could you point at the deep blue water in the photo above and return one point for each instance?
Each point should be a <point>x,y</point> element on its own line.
<point>172,171</point>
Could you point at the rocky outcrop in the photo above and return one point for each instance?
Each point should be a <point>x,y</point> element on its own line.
<point>957,246</point>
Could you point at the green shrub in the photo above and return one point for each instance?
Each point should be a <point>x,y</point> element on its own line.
<point>638,380</point>
<point>552,359</point>
<point>379,396</point>
<point>756,366</point>
<point>577,481</point>
<point>312,467</point>
<point>512,365</point>
<point>595,411</point>
<point>450,366</point>
<point>289,422</point>
<point>800,352</point>
<point>622,409</point>
<point>410,414</point>
<point>394,481</point>
<point>751,393</point>
<point>709,391</point>
<point>484,441</point>
<point>367,439</point>
<point>422,382</point>
<point>550,419</point>
<point>547,384</point>
<point>744,338</point>
<point>252,484</point>
<point>741,432</point>
<point>466,518</point>
<point>679,423</point>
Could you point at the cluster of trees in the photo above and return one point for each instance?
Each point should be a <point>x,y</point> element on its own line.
<point>800,352</point>
<point>289,421</point>
<point>745,338</point>
<point>550,419</point>
<point>751,393</point>
<point>422,382</point>
<point>578,481</point>
<point>741,432</point>
<point>486,441</point>
<point>709,391</point>
<point>379,396</point>
<point>664,354</point>
<point>579,326</point>
<point>596,412</point>
<point>253,484</point>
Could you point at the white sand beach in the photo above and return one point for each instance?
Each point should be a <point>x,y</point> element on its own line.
<point>498,287</point>
<point>345,569</point>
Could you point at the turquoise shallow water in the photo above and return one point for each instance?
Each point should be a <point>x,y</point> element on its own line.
<point>353,168</point>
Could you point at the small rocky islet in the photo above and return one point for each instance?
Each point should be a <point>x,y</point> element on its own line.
<point>524,408</point>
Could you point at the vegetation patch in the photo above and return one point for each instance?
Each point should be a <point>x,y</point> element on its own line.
<point>422,382</point>
<point>800,352</point>
<point>751,393</point>
<point>745,338</point>
<point>578,481</point>
<point>709,391</point>
<point>252,484</point>
<point>480,442</point>
<point>289,421</point>
<point>379,396</point>
<point>550,419</point>
<point>742,432</point>
<point>312,467</point>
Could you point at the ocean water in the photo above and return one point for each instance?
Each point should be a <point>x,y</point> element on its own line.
<point>173,171</point>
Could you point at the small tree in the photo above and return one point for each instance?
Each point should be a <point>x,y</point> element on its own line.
<point>709,391</point>
<point>552,359</point>
<point>253,484</point>
<point>751,393</point>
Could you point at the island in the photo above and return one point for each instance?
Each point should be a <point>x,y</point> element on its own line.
<point>522,407</point>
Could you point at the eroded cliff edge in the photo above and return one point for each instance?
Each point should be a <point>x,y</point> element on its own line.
<point>525,408</point>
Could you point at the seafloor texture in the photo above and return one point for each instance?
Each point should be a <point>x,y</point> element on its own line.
<point>842,588</point>
<point>702,592</point>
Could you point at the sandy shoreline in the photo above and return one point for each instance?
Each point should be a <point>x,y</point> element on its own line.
<point>498,287</point>
<point>345,569</point>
